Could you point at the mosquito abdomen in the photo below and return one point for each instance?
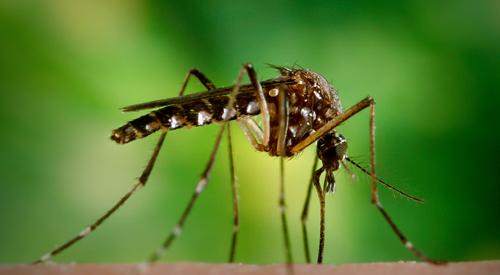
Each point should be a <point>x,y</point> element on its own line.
<point>194,113</point>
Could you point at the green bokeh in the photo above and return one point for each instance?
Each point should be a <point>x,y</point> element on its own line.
<point>67,66</point>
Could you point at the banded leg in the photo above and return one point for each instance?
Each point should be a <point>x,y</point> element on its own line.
<point>366,102</point>
<point>142,179</point>
<point>252,129</point>
<point>376,200</point>
<point>204,177</point>
<point>282,205</point>
<point>253,133</point>
<point>305,212</point>
<point>234,193</point>
<point>89,229</point>
<point>200,76</point>
<point>202,183</point>
<point>160,103</point>
<point>321,196</point>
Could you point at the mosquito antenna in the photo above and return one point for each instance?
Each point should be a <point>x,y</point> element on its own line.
<point>388,186</point>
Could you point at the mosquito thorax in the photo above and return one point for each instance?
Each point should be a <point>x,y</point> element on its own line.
<point>312,102</point>
<point>332,149</point>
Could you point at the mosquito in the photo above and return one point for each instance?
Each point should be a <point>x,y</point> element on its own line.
<point>297,108</point>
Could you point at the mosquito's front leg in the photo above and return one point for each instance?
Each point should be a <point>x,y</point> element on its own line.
<point>367,102</point>
<point>376,200</point>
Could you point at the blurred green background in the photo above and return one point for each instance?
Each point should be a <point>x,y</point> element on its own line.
<point>67,66</point>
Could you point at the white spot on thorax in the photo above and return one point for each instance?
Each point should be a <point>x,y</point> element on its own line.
<point>307,114</point>
<point>274,92</point>
<point>317,95</point>
<point>293,130</point>
<point>203,117</point>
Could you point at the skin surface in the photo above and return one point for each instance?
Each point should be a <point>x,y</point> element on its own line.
<point>404,268</point>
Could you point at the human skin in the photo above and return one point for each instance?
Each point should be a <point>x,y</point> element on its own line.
<point>403,268</point>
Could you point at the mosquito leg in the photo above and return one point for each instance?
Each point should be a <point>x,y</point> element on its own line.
<point>208,168</point>
<point>252,131</point>
<point>368,101</point>
<point>202,183</point>
<point>160,103</point>
<point>321,196</point>
<point>282,204</point>
<point>234,193</point>
<point>234,188</point>
<point>258,137</point>
<point>89,229</point>
<point>200,76</point>
<point>264,110</point>
<point>142,179</point>
<point>283,124</point>
<point>305,212</point>
<point>376,200</point>
<point>348,170</point>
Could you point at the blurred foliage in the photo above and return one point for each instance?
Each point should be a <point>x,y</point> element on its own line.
<point>67,66</point>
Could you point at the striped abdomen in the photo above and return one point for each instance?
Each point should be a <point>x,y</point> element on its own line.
<point>195,112</point>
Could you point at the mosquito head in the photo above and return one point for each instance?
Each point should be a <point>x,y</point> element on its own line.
<point>332,149</point>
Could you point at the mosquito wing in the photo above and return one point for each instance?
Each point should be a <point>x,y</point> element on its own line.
<point>269,84</point>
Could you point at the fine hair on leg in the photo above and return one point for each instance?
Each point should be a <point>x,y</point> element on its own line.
<point>142,179</point>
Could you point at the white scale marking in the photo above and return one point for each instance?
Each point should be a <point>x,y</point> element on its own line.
<point>199,188</point>
<point>236,228</point>
<point>203,117</point>
<point>253,107</point>
<point>85,232</point>
<point>129,130</point>
<point>177,230</point>
<point>175,122</point>
<point>306,112</point>
<point>317,94</point>
<point>46,257</point>
<point>293,130</point>
<point>227,114</point>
